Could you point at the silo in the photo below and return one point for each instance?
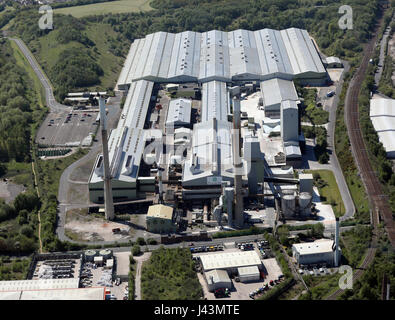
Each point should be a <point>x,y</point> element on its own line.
<point>90,255</point>
<point>305,203</point>
<point>288,205</point>
<point>106,253</point>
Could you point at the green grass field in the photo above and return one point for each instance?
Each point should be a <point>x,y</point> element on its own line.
<point>50,49</point>
<point>330,193</point>
<point>120,6</point>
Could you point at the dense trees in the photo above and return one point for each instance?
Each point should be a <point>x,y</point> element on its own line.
<point>15,111</point>
<point>170,275</point>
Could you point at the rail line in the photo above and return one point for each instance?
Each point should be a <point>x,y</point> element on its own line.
<point>378,200</point>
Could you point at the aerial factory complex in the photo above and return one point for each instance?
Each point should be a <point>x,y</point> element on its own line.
<point>188,132</point>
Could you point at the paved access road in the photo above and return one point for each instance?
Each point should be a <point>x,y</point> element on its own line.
<point>49,97</point>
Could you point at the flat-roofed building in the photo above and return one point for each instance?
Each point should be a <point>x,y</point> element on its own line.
<point>160,219</point>
<point>230,261</point>
<point>319,251</point>
<point>95,293</point>
<point>249,274</point>
<point>40,284</point>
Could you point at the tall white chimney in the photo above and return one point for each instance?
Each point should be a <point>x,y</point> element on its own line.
<point>108,199</point>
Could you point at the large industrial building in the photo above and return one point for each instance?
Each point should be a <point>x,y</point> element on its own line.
<point>382,115</point>
<point>230,261</point>
<point>227,146</point>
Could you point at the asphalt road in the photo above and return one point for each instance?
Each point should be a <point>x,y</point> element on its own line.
<point>49,96</point>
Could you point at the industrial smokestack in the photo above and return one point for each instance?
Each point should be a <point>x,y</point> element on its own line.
<point>337,236</point>
<point>237,163</point>
<point>108,199</point>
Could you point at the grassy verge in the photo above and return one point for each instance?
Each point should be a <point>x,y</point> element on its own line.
<point>346,160</point>
<point>355,243</point>
<point>132,277</point>
<point>121,6</point>
<point>13,269</point>
<point>320,286</point>
<point>329,192</point>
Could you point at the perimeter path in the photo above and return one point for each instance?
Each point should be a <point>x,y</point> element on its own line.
<point>335,165</point>
<point>49,96</point>
<point>140,260</point>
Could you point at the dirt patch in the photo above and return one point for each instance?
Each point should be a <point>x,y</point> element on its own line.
<point>9,190</point>
<point>84,227</point>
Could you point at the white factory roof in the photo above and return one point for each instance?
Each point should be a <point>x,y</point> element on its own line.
<point>16,285</point>
<point>382,114</point>
<point>276,90</point>
<point>97,293</point>
<point>230,260</point>
<point>218,55</point>
<point>215,101</point>
<point>126,142</point>
<point>319,246</point>
<point>210,155</point>
<point>179,112</point>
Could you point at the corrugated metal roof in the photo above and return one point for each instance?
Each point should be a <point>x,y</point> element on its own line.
<point>39,284</point>
<point>276,90</point>
<point>382,114</point>
<point>179,112</point>
<point>215,101</point>
<point>218,55</point>
<point>230,260</point>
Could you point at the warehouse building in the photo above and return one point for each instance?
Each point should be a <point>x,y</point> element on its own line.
<point>96,293</point>
<point>382,115</point>
<point>230,261</point>
<point>249,274</point>
<point>239,55</point>
<point>40,284</point>
<point>179,113</point>
<point>319,251</point>
<point>217,279</point>
<point>126,146</point>
<point>274,92</point>
<point>160,219</point>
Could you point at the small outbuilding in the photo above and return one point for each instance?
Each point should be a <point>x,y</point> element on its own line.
<point>218,279</point>
<point>333,62</point>
<point>98,260</point>
<point>249,274</point>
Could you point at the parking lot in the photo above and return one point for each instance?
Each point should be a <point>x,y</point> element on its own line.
<point>61,129</point>
<point>97,276</point>
<point>57,269</point>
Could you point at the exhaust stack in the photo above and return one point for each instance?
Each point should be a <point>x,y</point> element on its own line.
<point>108,198</point>
<point>237,163</point>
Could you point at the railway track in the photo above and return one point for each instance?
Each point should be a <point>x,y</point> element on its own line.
<point>378,200</point>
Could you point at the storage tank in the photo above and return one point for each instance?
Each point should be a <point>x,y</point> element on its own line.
<point>106,253</point>
<point>287,191</point>
<point>90,255</point>
<point>305,203</point>
<point>288,205</point>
